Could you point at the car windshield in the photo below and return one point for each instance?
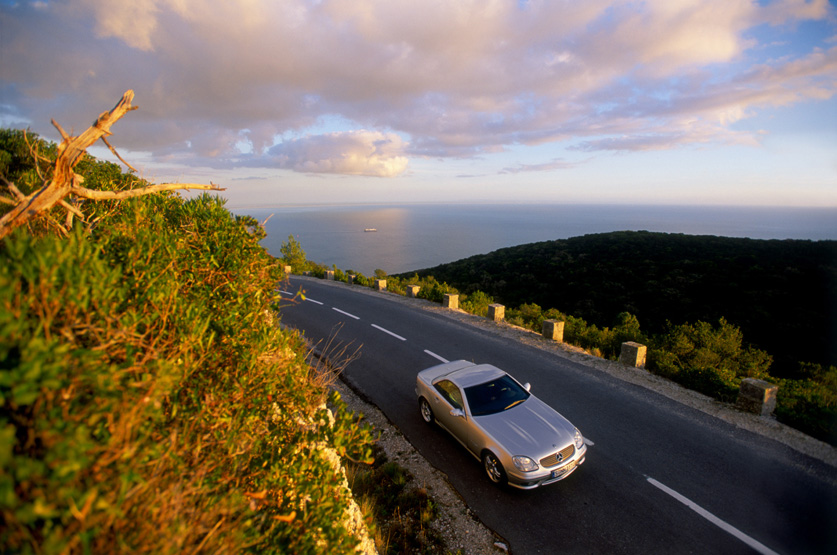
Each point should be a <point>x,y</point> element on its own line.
<point>495,396</point>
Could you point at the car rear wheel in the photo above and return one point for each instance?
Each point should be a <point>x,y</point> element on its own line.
<point>494,468</point>
<point>426,411</point>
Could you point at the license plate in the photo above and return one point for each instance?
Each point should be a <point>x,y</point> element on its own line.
<point>563,470</point>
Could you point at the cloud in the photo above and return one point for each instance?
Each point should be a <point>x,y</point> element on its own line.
<point>368,153</point>
<point>556,164</point>
<point>247,81</point>
<point>133,22</point>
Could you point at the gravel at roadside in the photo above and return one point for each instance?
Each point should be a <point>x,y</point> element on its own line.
<point>459,527</point>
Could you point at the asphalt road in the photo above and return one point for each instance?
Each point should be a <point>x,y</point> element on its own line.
<point>660,477</point>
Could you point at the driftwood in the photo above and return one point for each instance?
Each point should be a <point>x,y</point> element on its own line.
<point>65,182</point>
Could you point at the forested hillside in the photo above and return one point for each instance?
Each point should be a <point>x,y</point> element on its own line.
<point>782,294</point>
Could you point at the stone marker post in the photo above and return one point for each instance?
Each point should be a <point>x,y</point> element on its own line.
<point>450,300</point>
<point>380,285</point>
<point>496,312</point>
<point>553,329</point>
<point>633,354</point>
<point>757,396</point>
<point>329,275</point>
<point>412,291</point>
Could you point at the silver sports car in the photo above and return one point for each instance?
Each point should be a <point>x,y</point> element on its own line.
<point>520,440</point>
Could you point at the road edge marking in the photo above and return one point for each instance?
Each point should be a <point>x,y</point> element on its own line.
<point>730,529</point>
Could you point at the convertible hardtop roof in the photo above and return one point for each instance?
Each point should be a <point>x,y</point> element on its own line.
<point>466,374</point>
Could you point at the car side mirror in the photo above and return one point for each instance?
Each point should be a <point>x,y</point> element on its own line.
<point>527,386</point>
<point>457,412</point>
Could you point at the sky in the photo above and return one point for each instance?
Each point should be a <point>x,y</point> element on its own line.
<point>702,102</point>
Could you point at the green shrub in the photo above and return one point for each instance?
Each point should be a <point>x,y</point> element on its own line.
<point>339,275</point>
<point>528,316</point>
<point>148,402</point>
<point>294,256</point>
<point>712,360</point>
<point>361,279</point>
<point>434,291</point>
<point>395,285</point>
<point>810,404</point>
<point>476,303</point>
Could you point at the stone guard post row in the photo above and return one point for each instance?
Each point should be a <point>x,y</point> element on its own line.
<point>755,396</point>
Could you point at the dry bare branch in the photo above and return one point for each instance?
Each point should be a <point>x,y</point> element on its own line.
<point>93,194</point>
<point>264,222</point>
<point>132,168</point>
<point>15,191</point>
<point>65,182</point>
<point>71,209</point>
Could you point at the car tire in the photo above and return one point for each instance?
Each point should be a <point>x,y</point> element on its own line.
<point>426,411</point>
<point>494,469</point>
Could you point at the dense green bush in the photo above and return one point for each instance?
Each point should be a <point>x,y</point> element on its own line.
<point>476,303</point>
<point>293,255</point>
<point>810,404</point>
<point>712,360</point>
<point>148,401</point>
<point>361,279</point>
<point>434,291</point>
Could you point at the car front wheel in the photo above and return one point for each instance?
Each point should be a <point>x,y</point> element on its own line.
<point>493,468</point>
<point>426,411</point>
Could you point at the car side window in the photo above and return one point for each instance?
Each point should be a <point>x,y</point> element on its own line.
<point>451,393</point>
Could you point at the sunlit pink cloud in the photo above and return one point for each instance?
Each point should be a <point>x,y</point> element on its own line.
<point>243,82</point>
<point>354,153</point>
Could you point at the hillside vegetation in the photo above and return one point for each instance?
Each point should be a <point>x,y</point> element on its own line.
<point>693,300</point>
<point>148,401</point>
<point>781,294</point>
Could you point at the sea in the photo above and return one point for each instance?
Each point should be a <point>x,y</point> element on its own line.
<point>416,236</point>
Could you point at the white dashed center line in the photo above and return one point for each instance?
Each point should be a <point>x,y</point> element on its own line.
<point>754,544</point>
<point>395,335</point>
<point>310,300</point>
<point>345,313</point>
<point>437,357</point>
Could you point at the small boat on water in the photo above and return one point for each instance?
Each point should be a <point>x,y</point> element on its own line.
<point>370,229</point>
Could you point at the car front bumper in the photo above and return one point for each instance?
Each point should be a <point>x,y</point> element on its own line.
<point>543,476</point>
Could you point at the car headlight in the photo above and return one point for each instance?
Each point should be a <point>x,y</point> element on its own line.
<point>578,439</point>
<point>524,464</point>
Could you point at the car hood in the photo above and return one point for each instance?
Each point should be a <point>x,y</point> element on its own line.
<point>532,428</point>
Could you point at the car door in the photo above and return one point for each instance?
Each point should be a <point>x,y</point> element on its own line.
<point>451,398</point>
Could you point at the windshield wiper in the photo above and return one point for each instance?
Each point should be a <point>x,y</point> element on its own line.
<point>513,404</point>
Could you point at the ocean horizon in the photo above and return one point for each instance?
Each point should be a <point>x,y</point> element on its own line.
<point>412,237</point>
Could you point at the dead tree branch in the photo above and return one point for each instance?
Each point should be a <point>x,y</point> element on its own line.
<point>66,182</point>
